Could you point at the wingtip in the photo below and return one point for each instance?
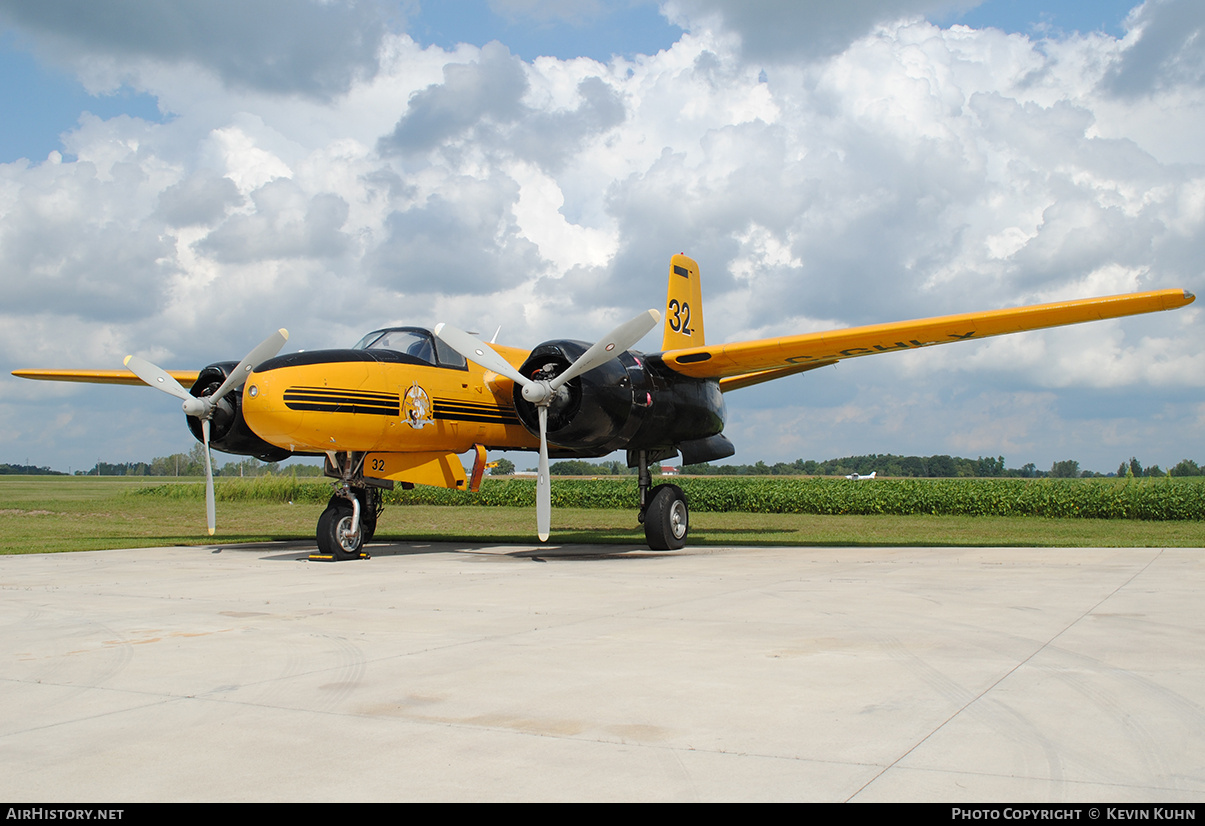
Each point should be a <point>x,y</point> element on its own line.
<point>1189,297</point>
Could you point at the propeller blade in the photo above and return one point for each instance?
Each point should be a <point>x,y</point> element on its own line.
<point>263,351</point>
<point>540,393</point>
<point>621,338</point>
<point>543,485</point>
<point>202,407</point>
<point>210,508</point>
<point>156,377</point>
<point>476,350</point>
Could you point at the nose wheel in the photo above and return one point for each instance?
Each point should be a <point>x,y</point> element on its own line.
<point>339,536</point>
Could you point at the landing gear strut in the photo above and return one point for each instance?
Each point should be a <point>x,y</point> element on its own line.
<point>350,518</point>
<point>663,510</point>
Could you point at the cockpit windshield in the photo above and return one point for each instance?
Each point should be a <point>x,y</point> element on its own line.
<point>413,341</point>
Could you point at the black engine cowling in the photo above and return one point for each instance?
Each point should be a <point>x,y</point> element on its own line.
<point>621,404</point>
<point>227,430</point>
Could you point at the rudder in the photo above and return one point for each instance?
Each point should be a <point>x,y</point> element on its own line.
<point>683,306</point>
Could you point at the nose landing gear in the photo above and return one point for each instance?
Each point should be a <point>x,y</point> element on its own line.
<point>350,518</point>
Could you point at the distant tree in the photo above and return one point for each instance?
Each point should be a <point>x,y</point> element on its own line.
<point>504,467</point>
<point>579,467</point>
<point>1135,467</point>
<point>1068,469</point>
<point>941,466</point>
<point>1186,467</point>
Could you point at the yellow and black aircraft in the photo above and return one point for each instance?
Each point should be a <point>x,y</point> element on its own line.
<point>402,404</point>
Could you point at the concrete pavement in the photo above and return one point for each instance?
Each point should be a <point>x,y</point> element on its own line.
<point>440,672</point>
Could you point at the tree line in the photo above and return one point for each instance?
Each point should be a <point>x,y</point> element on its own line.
<point>28,470</point>
<point>933,467</point>
<point>192,463</point>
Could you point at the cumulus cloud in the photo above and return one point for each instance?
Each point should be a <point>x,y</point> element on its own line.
<point>285,223</point>
<point>483,103</point>
<point>1166,48</point>
<point>779,30</point>
<point>488,89</point>
<point>463,240</point>
<point>202,198</point>
<point>308,47</point>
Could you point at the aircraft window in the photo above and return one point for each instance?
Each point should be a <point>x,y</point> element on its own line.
<point>366,342</point>
<point>449,357</point>
<point>415,342</point>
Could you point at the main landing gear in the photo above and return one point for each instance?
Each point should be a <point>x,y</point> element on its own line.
<point>662,510</point>
<point>350,518</point>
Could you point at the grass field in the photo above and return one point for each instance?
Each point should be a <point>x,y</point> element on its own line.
<point>43,514</point>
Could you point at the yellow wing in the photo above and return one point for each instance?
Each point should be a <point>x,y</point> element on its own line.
<point>751,362</point>
<point>185,377</point>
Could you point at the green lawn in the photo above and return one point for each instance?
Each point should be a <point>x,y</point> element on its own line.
<point>41,514</point>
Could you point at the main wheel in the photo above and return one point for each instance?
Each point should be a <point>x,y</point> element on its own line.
<point>666,519</point>
<point>334,529</point>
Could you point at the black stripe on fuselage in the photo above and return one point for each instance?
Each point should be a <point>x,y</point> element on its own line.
<point>336,400</point>
<point>471,412</point>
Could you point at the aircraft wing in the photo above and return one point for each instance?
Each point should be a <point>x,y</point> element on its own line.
<point>750,362</point>
<point>185,377</point>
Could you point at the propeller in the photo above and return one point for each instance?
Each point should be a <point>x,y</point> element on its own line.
<point>541,392</point>
<point>202,407</point>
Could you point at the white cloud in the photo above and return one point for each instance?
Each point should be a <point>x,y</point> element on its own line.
<point>312,47</point>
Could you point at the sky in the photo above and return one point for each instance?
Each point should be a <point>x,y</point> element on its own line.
<point>178,180</point>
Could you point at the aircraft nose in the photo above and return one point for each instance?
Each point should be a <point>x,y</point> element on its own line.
<point>264,409</point>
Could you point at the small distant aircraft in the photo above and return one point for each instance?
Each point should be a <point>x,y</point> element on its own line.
<point>859,478</point>
<point>401,405</point>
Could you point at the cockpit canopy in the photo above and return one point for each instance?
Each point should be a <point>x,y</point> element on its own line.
<point>417,342</point>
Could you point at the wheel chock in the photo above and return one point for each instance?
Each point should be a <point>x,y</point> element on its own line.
<point>331,557</point>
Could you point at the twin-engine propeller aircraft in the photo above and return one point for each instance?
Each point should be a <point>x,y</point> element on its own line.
<point>400,406</point>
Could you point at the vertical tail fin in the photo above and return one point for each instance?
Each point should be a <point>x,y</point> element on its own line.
<point>683,306</point>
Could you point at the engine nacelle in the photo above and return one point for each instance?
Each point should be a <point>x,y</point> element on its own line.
<point>227,430</point>
<point>619,404</point>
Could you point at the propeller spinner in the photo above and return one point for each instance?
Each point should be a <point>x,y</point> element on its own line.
<point>202,407</point>
<point>541,392</point>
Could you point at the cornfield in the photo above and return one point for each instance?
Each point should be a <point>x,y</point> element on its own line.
<point>1151,499</point>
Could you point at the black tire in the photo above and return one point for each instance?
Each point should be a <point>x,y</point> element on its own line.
<point>666,519</point>
<point>333,527</point>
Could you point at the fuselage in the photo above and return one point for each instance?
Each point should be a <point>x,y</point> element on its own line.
<point>403,391</point>
<point>379,399</point>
